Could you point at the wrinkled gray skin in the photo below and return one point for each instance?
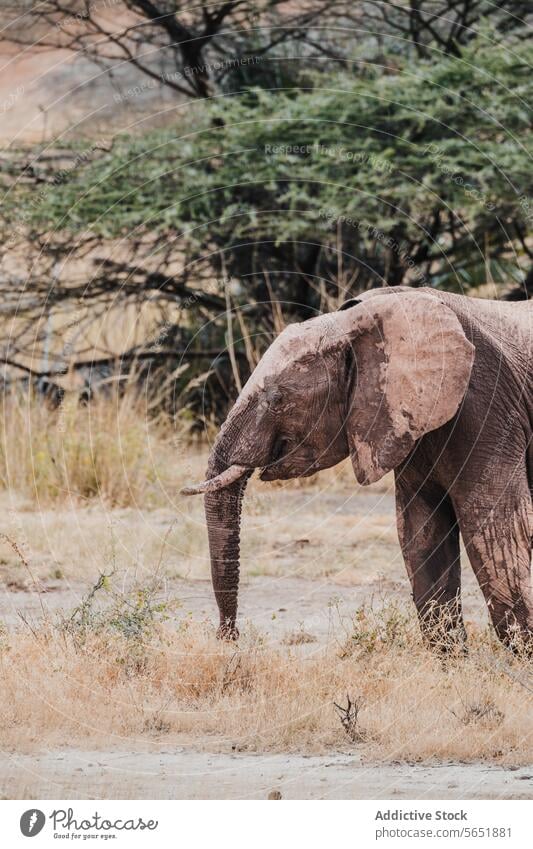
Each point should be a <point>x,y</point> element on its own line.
<point>433,385</point>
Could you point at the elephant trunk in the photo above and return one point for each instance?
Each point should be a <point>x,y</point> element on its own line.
<point>223,514</point>
<point>223,492</point>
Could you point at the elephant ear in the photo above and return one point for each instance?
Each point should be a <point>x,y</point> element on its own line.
<point>412,367</point>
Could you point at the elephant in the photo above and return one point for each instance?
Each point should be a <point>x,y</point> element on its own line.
<point>433,385</point>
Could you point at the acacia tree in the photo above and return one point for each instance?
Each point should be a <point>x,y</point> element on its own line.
<point>431,165</point>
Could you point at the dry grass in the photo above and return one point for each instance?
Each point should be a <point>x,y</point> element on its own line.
<point>120,674</point>
<point>109,450</point>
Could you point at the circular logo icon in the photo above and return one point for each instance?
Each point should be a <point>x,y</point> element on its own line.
<point>32,822</point>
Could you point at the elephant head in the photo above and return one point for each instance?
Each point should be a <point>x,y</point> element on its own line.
<point>366,382</point>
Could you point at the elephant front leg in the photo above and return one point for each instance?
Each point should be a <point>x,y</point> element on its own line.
<point>429,538</point>
<point>498,542</point>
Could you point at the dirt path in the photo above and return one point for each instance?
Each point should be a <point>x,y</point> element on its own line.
<point>277,606</point>
<point>187,774</point>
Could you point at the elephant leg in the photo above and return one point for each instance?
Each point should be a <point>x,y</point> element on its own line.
<point>498,542</point>
<point>429,538</point>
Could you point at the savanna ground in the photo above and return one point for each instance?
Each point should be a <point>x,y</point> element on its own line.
<point>113,682</point>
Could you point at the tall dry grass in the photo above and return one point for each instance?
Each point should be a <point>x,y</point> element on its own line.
<point>113,450</point>
<point>109,450</point>
<point>107,677</point>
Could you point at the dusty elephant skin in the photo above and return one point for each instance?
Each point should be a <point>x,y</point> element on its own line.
<point>433,385</point>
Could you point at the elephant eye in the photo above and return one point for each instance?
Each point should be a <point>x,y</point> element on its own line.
<point>280,449</point>
<point>274,399</point>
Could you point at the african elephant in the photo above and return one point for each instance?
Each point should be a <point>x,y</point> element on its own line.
<point>434,385</point>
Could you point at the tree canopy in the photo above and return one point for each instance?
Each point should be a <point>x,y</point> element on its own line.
<point>417,174</point>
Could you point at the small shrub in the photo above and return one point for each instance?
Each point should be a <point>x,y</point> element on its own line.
<point>372,630</point>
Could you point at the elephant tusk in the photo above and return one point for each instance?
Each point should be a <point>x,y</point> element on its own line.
<point>214,484</point>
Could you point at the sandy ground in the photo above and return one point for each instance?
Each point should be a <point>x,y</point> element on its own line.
<point>71,773</point>
<point>309,558</point>
<point>277,606</point>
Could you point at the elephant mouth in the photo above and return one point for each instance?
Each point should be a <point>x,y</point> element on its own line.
<point>277,471</point>
<point>284,471</point>
<point>268,474</point>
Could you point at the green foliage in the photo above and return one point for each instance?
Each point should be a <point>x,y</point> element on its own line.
<point>423,172</point>
<point>135,613</point>
<point>374,631</point>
